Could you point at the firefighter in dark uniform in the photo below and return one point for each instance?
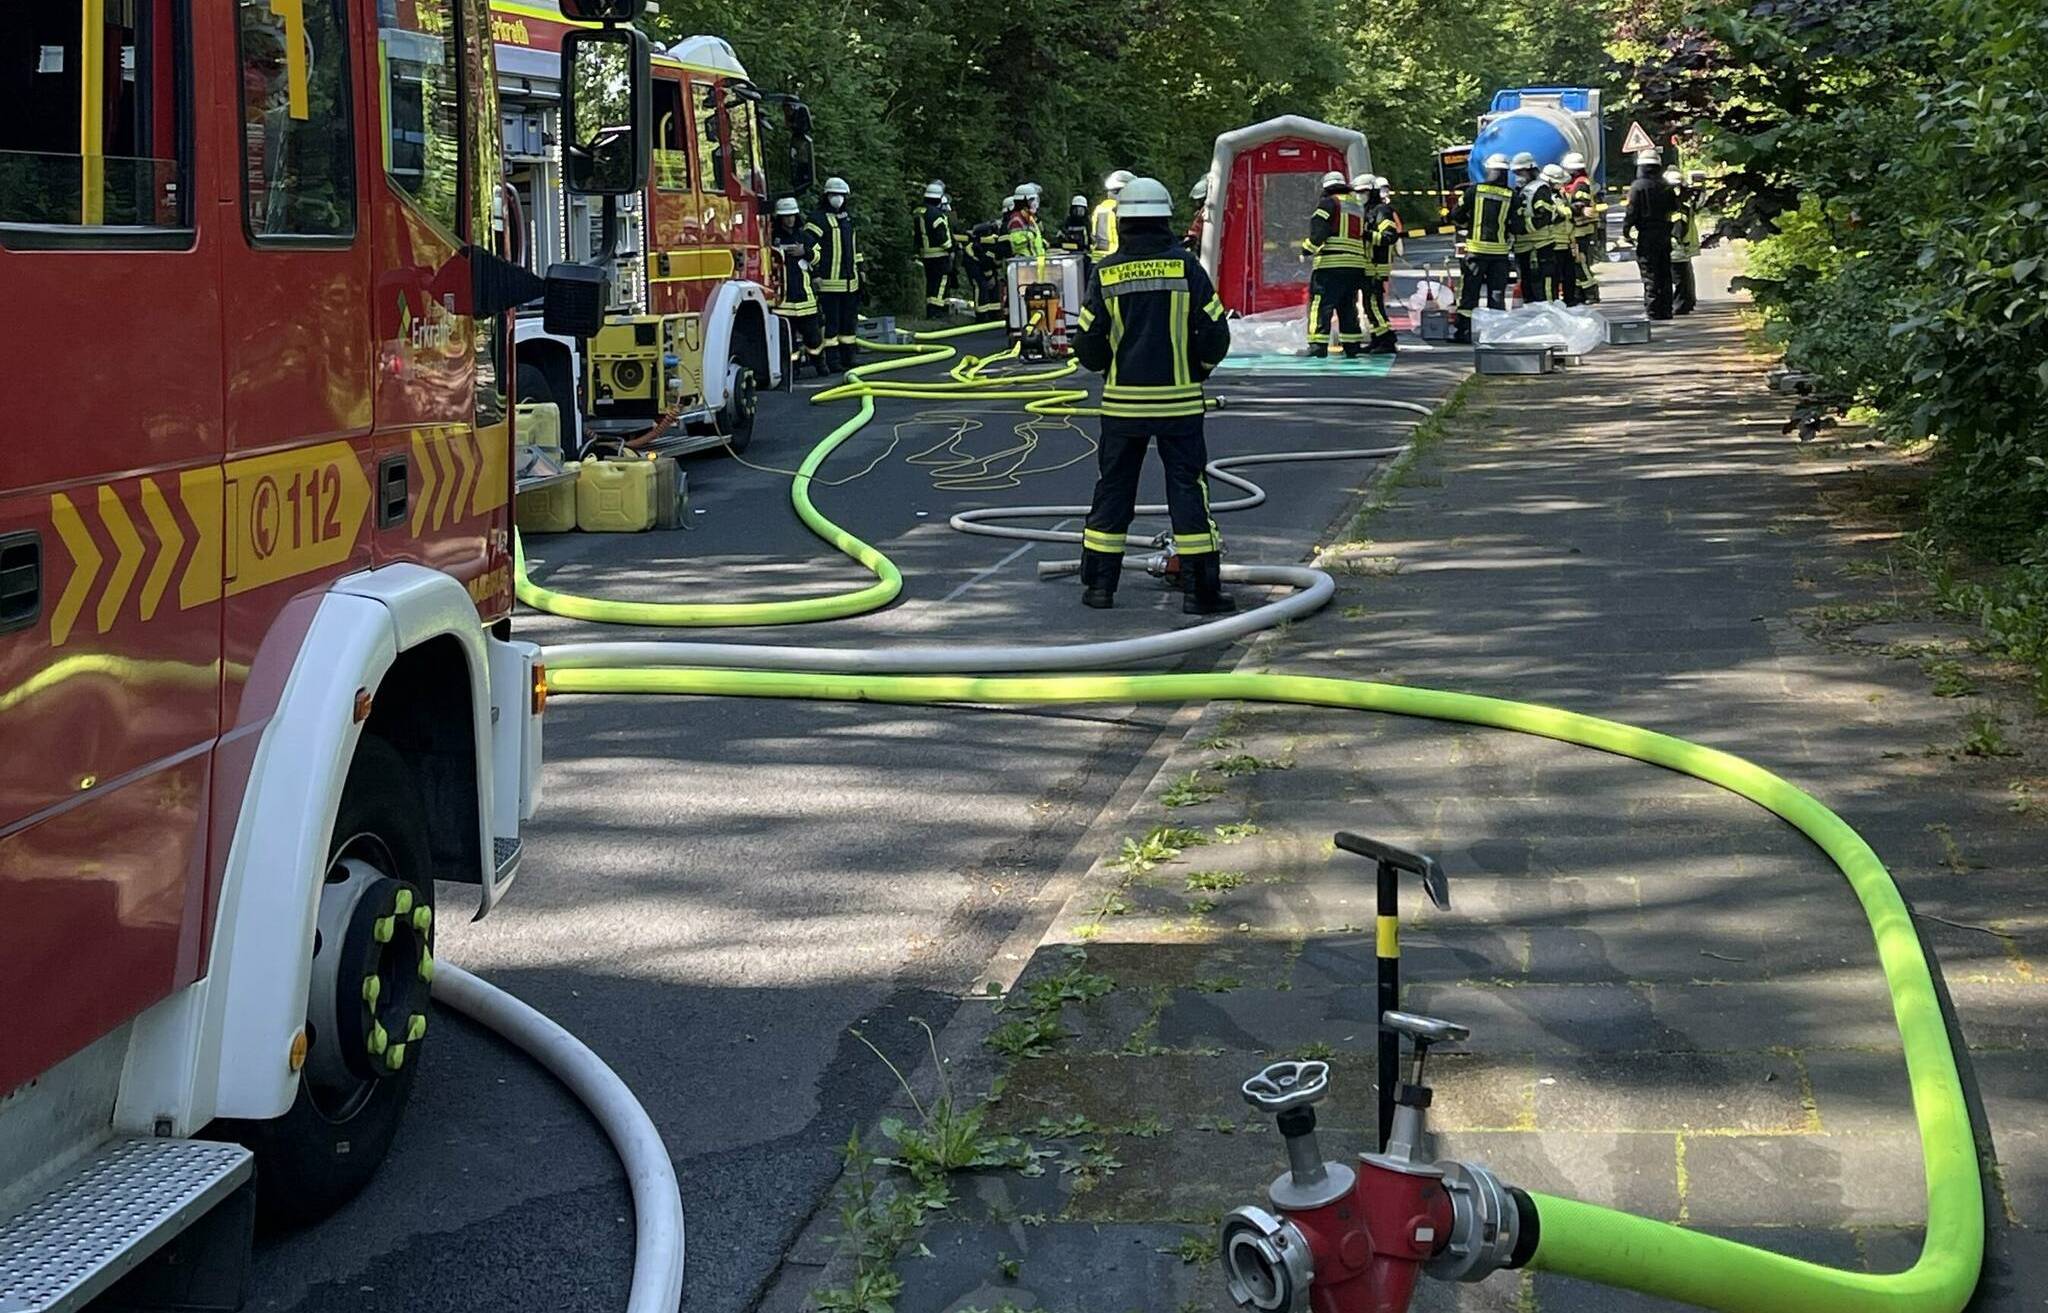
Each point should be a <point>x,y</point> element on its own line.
<point>1382,237</point>
<point>796,300</point>
<point>1582,198</point>
<point>1199,194</point>
<point>838,270</point>
<point>1560,253</point>
<point>935,247</point>
<point>1483,219</point>
<point>1336,281</point>
<point>1685,241</point>
<point>1154,327</point>
<point>989,247</point>
<point>1652,213</point>
<point>1074,232</point>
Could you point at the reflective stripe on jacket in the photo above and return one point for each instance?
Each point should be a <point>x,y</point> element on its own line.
<point>1336,233</point>
<point>1484,217</point>
<point>1155,328</point>
<point>838,252</point>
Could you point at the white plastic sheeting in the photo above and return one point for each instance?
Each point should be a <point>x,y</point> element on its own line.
<point>1573,330</point>
<point>1274,333</point>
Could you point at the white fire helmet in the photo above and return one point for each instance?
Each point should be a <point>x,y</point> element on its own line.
<point>1334,179</point>
<point>1117,181</point>
<point>1496,163</point>
<point>935,191</point>
<point>1145,198</point>
<point>1364,182</point>
<point>787,207</point>
<point>1078,202</point>
<point>1523,162</point>
<point>1201,189</point>
<point>1673,177</point>
<point>1555,174</point>
<point>1650,157</point>
<point>837,187</point>
<point>1575,162</point>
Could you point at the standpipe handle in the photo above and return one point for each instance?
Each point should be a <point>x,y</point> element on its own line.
<point>1286,1085</point>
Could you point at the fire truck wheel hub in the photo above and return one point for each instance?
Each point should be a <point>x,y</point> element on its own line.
<point>373,965</point>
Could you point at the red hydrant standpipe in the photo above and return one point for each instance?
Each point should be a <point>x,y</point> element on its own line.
<point>1358,1241</point>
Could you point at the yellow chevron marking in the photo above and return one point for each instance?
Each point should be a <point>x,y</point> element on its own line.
<point>428,478</point>
<point>129,544</point>
<point>494,446</point>
<point>170,541</point>
<point>85,566</point>
<point>465,478</point>
<point>199,492</point>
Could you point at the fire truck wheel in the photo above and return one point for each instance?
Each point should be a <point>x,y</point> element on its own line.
<point>532,385</point>
<point>736,416</point>
<point>352,1092</point>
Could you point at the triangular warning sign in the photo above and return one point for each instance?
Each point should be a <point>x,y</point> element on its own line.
<point>1637,140</point>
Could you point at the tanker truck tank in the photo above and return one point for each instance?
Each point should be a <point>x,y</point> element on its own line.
<point>1548,122</point>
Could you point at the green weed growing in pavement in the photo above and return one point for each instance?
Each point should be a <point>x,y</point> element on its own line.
<point>1216,984</point>
<point>1949,678</point>
<point>1193,1248</point>
<point>1244,763</point>
<point>1317,1052</point>
<point>1189,790</point>
<point>873,1225</point>
<point>1009,1266</point>
<point>1052,1128</point>
<point>1215,882</point>
<point>1112,903</point>
<point>1984,736</point>
<point>1148,1127</point>
<point>2023,803</point>
<point>947,1138</point>
<point>1232,831</point>
<point>1033,1037</point>
<point>1162,843</point>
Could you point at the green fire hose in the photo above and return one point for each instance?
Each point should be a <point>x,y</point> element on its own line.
<point>1576,1239</point>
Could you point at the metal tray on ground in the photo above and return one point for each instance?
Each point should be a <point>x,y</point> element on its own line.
<point>1627,332</point>
<point>1514,358</point>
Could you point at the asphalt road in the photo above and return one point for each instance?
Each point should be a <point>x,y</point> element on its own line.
<point>719,893</point>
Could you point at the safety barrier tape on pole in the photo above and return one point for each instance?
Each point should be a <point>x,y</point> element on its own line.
<point>1576,1239</point>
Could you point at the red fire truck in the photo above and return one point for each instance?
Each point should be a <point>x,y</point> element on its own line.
<point>691,335</point>
<point>257,685</point>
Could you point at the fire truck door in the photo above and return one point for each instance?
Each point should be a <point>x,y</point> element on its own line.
<point>110,533</point>
<point>439,403</point>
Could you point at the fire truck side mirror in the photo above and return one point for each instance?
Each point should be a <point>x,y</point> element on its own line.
<point>607,116</point>
<point>601,11</point>
<point>573,303</point>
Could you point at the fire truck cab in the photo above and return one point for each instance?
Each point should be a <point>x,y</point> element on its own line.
<point>691,336</point>
<point>258,692</point>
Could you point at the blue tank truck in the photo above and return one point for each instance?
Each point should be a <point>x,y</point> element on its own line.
<point>1548,122</point>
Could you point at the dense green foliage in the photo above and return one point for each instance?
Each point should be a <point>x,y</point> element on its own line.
<point>1890,155</point>
<point>1060,92</point>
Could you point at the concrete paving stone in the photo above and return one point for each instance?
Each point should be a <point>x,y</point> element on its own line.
<point>1181,1090</point>
<point>1805,1180</point>
<point>1821,1010</point>
<point>1859,1092</point>
<point>1060,1268</point>
<point>1183,1176</point>
<point>1544,1019</point>
<point>2023,1171</point>
<point>2000,1016</point>
<point>1698,1092</point>
<point>1437,953</point>
<point>1275,1021</point>
<point>1831,1248</point>
<point>2015,1259</point>
<point>1635,1173</point>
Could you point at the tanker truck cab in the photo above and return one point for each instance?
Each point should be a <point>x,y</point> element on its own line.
<point>690,338</point>
<point>261,702</point>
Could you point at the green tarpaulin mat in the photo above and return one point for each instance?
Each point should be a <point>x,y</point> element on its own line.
<point>1370,366</point>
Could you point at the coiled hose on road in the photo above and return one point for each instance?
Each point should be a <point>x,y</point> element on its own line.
<point>1576,1239</point>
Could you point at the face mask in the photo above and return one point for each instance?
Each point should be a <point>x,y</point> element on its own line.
<point>836,201</point>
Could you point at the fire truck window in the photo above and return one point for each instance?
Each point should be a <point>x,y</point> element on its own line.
<point>710,141</point>
<point>422,58</point>
<point>671,140</point>
<point>298,150</point>
<point>94,134</point>
<point>746,150</point>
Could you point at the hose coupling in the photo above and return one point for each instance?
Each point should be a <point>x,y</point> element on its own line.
<point>1266,1261</point>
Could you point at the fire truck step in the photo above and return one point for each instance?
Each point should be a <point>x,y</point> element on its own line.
<point>107,1214</point>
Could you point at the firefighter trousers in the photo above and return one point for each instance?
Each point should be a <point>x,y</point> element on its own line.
<point>1120,459</point>
<point>1378,327</point>
<point>1686,295</point>
<point>806,336</point>
<point>842,317</point>
<point>1564,273</point>
<point>1335,290</point>
<point>937,271</point>
<point>1653,258</point>
<point>1490,272</point>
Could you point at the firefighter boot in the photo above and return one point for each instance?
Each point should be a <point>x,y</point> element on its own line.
<point>1099,574</point>
<point>1353,350</point>
<point>1463,333</point>
<point>1318,350</point>
<point>1383,345</point>
<point>1205,595</point>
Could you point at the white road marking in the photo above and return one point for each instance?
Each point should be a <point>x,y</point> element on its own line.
<point>983,574</point>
